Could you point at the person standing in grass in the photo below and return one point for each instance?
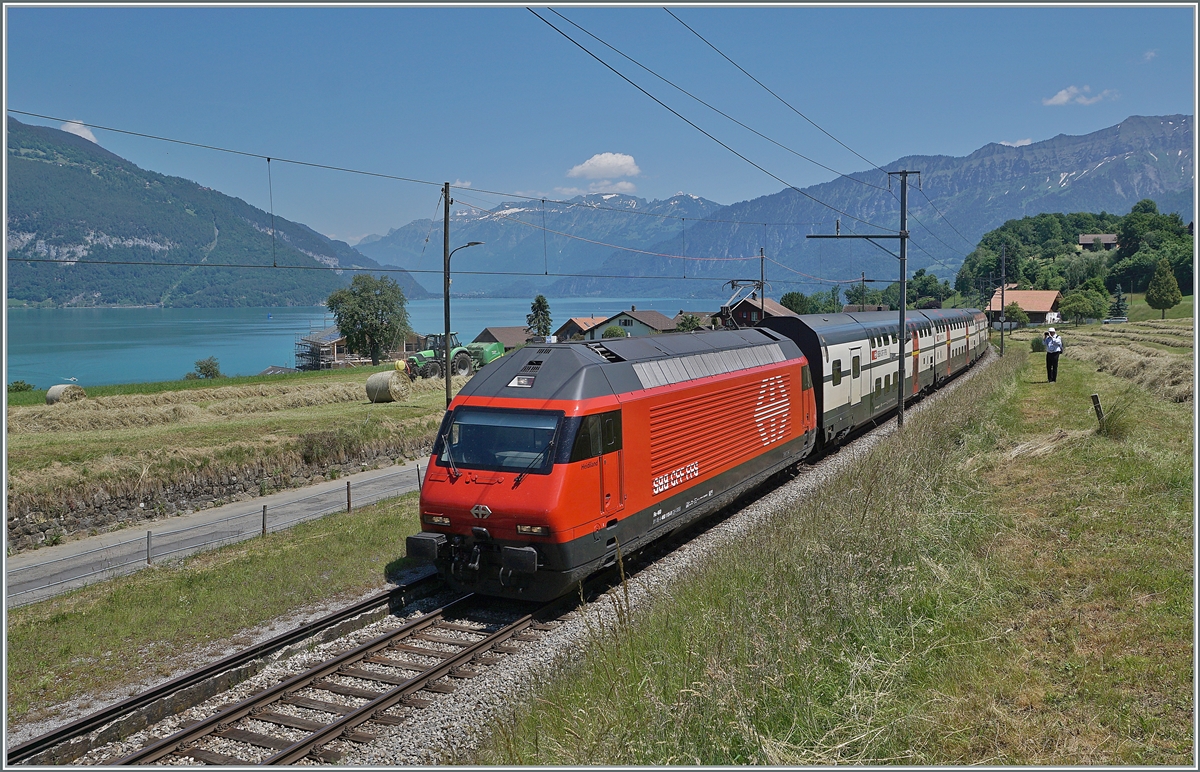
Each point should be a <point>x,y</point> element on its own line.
<point>1054,347</point>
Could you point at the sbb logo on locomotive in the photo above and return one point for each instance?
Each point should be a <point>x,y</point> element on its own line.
<point>676,477</point>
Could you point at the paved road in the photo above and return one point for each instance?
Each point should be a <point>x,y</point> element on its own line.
<point>46,572</point>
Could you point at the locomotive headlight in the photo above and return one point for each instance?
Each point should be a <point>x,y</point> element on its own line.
<point>533,530</point>
<point>435,519</point>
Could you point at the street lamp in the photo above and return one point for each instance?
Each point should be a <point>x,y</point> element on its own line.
<point>446,307</point>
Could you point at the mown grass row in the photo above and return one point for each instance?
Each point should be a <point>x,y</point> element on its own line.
<point>62,456</point>
<point>117,633</point>
<point>943,602</point>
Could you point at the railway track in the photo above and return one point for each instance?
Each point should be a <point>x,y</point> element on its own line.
<point>121,719</point>
<point>342,699</point>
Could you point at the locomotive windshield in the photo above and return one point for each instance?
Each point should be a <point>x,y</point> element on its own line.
<point>499,440</point>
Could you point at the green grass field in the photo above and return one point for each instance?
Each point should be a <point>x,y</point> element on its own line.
<point>1140,312</point>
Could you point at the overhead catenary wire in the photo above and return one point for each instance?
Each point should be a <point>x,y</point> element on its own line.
<point>691,123</point>
<point>711,107</point>
<point>787,104</point>
<point>564,234</point>
<point>361,269</point>
<point>382,175</point>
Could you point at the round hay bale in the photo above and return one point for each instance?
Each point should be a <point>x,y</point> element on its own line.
<point>388,387</point>
<point>65,392</point>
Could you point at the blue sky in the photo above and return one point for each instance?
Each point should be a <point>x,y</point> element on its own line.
<point>494,98</point>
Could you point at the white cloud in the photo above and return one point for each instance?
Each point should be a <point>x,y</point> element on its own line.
<point>467,184</point>
<point>1150,54</point>
<point>1079,96</point>
<point>568,192</point>
<point>606,166</point>
<point>79,130</point>
<point>1018,143</point>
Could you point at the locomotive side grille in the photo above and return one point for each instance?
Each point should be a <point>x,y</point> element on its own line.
<point>662,372</point>
<point>721,426</point>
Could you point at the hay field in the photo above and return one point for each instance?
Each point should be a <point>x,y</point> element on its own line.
<point>114,445</point>
<point>1155,354</point>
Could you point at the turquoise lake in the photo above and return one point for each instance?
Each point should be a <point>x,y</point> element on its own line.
<point>102,346</point>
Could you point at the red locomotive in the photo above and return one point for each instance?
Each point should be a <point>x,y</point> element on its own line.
<point>558,456</point>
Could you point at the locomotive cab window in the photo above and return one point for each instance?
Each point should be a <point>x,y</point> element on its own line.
<point>597,435</point>
<point>499,440</point>
<point>805,377</point>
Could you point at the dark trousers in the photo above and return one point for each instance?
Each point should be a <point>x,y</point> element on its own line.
<point>1052,367</point>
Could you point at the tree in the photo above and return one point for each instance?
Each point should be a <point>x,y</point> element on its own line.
<point>208,368</point>
<point>371,314</point>
<point>688,323</point>
<point>1083,304</point>
<point>1163,292</point>
<point>18,386</point>
<point>796,302</point>
<point>613,331</point>
<point>1074,306</point>
<point>1119,307</point>
<point>538,318</point>
<point>1015,314</point>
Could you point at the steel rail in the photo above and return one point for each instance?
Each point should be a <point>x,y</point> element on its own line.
<point>302,748</point>
<point>168,745</point>
<point>78,728</point>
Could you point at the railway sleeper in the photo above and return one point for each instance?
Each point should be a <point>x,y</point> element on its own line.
<point>372,675</point>
<point>421,650</point>
<point>346,691</point>
<point>442,639</point>
<point>440,688</point>
<point>402,664</point>
<point>311,704</point>
<point>255,738</point>
<point>209,757</point>
<point>460,628</point>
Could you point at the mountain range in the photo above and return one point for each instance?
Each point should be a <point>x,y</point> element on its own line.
<point>116,234</point>
<point>72,202</point>
<point>951,204</point>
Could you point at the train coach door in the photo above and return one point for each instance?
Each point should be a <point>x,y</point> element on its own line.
<point>855,376</point>
<point>612,466</point>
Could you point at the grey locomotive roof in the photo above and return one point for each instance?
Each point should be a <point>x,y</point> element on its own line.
<point>589,369</point>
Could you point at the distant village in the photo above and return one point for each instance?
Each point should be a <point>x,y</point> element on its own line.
<point>326,349</point>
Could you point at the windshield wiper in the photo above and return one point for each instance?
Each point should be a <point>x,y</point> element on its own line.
<point>449,455</point>
<point>537,459</point>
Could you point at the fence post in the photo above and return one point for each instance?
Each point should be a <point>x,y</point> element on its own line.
<point>1099,410</point>
<point>419,483</point>
<point>347,496</point>
<point>264,528</point>
<point>147,548</point>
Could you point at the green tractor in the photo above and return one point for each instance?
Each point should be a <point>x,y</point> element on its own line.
<point>464,360</point>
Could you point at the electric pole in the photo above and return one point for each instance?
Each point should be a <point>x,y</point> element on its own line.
<point>446,286</point>
<point>903,257</point>
<point>1002,300</point>
<point>762,285</point>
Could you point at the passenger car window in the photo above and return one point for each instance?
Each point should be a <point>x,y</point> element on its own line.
<point>836,369</point>
<point>854,367</point>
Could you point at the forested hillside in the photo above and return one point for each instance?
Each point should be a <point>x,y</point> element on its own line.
<point>70,200</point>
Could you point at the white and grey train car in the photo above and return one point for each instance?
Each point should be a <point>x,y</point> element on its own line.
<point>855,358</point>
